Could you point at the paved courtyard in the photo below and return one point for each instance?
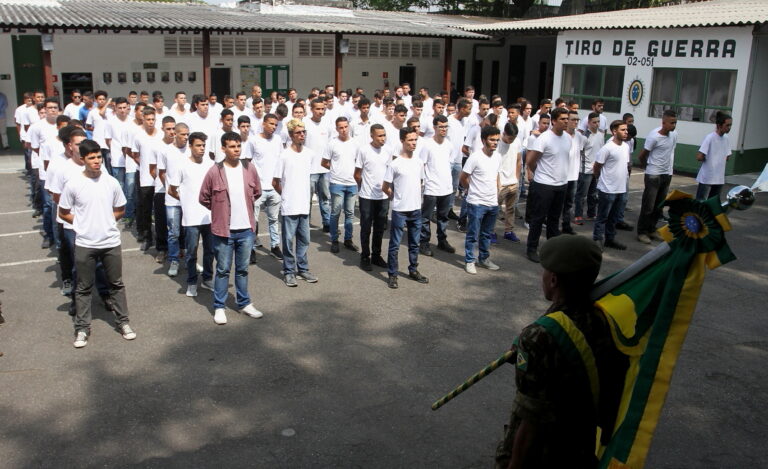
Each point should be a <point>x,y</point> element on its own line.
<point>340,373</point>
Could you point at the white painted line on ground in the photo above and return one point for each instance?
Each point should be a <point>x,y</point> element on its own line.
<point>17,212</point>
<point>20,233</point>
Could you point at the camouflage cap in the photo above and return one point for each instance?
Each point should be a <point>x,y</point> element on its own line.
<point>567,254</point>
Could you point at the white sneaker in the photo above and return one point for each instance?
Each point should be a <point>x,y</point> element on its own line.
<point>251,311</point>
<point>191,290</point>
<point>219,317</point>
<point>66,288</point>
<point>81,339</point>
<point>470,268</point>
<point>487,264</point>
<point>127,332</point>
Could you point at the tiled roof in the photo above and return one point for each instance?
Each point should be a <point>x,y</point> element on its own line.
<point>126,14</point>
<point>691,14</point>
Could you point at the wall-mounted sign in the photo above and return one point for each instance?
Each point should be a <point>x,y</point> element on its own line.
<point>5,77</point>
<point>635,92</point>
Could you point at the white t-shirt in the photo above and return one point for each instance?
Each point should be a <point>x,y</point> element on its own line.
<point>100,125</point>
<point>584,123</point>
<point>524,128</point>
<point>265,153</point>
<point>51,150</point>
<point>373,162</point>
<point>594,143</point>
<point>92,202</point>
<point>318,136</point>
<point>484,172</point>
<point>614,173</point>
<point>41,131</point>
<point>552,167</point>
<point>361,131</point>
<point>661,148</point>
<point>716,148</point>
<point>342,157</point>
<point>189,178</point>
<point>61,172</point>
<point>404,174</point>
<point>30,116</point>
<point>73,110</point>
<point>208,125</point>
<point>578,143</point>
<point>116,131</point>
<point>293,170</point>
<point>147,146</point>
<point>456,134</point>
<point>213,145</point>
<point>256,123</point>
<point>393,135</point>
<point>510,153</point>
<point>170,161</point>
<point>20,117</point>
<point>437,158</point>
<point>238,216</point>
<point>245,147</point>
<point>130,133</point>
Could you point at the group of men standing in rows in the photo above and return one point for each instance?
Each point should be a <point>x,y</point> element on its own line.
<point>204,172</point>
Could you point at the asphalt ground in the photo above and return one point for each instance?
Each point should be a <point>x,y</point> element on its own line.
<point>340,373</point>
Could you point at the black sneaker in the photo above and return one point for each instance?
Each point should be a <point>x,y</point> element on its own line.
<point>624,226</point>
<point>415,275</point>
<point>462,227</point>
<point>425,250</point>
<point>445,246</point>
<point>37,213</point>
<point>326,228</point>
<point>392,282</point>
<point>365,264</point>
<point>334,247</point>
<point>379,261</point>
<point>350,245</point>
<point>252,259</point>
<point>568,230</point>
<point>276,253</point>
<point>533,256</point>
<point>452,215</point>
<point>146,245</point>
<point>612,243</point>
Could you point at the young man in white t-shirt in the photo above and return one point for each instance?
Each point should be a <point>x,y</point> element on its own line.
<point>168,161</point>
<point>97,122</point>
<point>586,188</point>
<point>229,190</point>
<point>168,138</point>
<point>713,153</point>
<point>612,165</point>
<point>38,134</point>
<point>265,153</point>
<point>437,156</point>
<point>657,157</point>
<point>184,183</point>
<point>481,176</point>
<point>548,160</point>
<point>291,181</point>
<point>92,203</point>
<point>146,141</point>
<point>510,149</point>
<point>73,108</point>
<point>340,160</point>
<point>370,167</point>
<point>578,143</point>
<point>402,185</point>
<point>318,135</point>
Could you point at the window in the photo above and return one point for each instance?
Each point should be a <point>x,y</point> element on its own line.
<point>694,94</point>
<point>393,49</point>
<point>585,83</point>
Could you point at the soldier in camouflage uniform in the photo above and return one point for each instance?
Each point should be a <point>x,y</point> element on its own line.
<point>556,411</point>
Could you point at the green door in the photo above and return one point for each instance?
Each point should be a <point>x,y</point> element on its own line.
<point>27,64</point>
<point>270,77</point>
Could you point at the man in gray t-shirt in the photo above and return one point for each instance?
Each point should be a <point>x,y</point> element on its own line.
<point>657,158</point>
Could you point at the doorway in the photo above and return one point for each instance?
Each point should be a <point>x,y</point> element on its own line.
<point>221,82</point>
<point>407,75</point>
<point>516,73</point>
<point>27,64</point>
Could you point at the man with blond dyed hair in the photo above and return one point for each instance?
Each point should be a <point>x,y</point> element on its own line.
<point>291,181</point>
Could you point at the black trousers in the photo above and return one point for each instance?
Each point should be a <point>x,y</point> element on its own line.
<point>144,212</point>
<point>570,196</point>
<point>161,222</point>
<point>654,193</point>
<point>547,205</point>
<point>372,213</point>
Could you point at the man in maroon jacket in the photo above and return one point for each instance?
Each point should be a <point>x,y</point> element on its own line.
<point>229,190</point>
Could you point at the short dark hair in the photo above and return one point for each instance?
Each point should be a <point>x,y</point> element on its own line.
<point>230,136</point>
<point>439,119</point>
<point>615,124</point>
<point>100,93</point>
<point>363,102</point>
<point>627,115</point>
<point>168,119</point>
<point>89,146</point>
<point>226,112</point>
<point>62,119</point>
<point>341,119</point>
<point>558,111</point>
<point>669,113</point>
<point>510,128</point>
<point>377,127</point>
<point>721,117</point>
<point>51,100</point>
<point>197,136</point>
<point>401,108</point>
<point>405,131</point>
<point>488,131</point>
<point>270,116</point>
<point>463,102</point>
<point>242,120</point>
<point>592,115</point>
<point>120,100</point>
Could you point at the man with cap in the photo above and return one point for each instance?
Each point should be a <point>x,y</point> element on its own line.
<point>555,417</point>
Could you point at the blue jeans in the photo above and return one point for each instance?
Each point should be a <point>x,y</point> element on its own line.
<point>455,173</point>
<point>707,191</point>
<point>45,196</point>
<point>128,185</point>
<point>295,227</point>
<point>270,201</point>
<point>55,224</point>
<point>173,221</point>
<point>608,208</point>
<point>427,206</point>
<point>399,220</point>
<point>586,189</point>
<point>342,195</point>
<point>239,244</point>
<point>192,235</point>
<point>318,184</point>
<point>480,222</point>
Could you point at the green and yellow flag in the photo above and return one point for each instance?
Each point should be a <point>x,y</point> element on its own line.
<point>649,316</point>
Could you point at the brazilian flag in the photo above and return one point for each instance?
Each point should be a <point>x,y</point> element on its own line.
<point>649,315</point>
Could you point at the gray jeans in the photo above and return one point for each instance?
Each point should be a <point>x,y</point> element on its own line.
<point>85,265</point>
<point>655,192</point>
<point>270,202</point>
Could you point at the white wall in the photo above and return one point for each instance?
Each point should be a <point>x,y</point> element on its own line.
<point>6,68</point>
<point>637,67</point>
<point>755,135</point>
